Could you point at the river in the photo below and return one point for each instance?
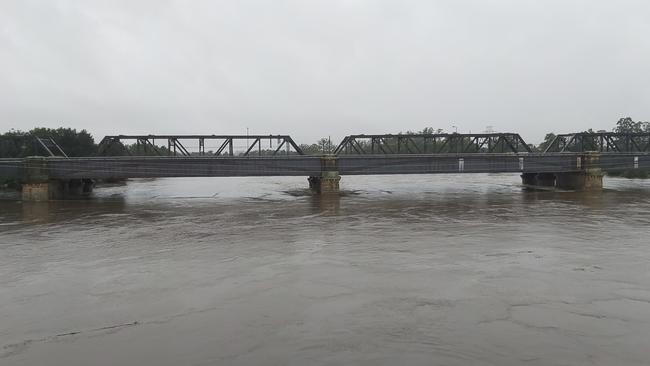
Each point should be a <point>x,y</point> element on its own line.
<point>408,270</point>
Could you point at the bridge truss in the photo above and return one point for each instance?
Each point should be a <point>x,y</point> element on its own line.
<point>179,145</point>
<point>27,144</point>
<point>453,143</point>
<point>600,141</point>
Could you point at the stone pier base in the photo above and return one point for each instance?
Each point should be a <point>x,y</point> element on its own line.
<point>578,181</point>
<point>583,181</point>
<point>41,191</point>
<point>56,189</point>
<point>327,183</point>
<point>529,179</point>
<point>541,180</point>
<point>324,185</point>
<point>545,180</point>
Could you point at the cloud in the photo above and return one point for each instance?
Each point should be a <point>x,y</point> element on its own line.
<point>323,68</point>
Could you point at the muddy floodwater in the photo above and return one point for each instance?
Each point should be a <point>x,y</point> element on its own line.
<point>400,270</point>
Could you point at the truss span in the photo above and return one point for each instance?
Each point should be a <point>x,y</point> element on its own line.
<point>190,145</point>
<point>453,143</point>
<point>601,142</point>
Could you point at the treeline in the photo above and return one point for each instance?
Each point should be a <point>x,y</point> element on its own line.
<point>17,144</point>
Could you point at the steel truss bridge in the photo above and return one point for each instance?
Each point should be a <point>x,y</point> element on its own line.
<point>566,162</point>
<point>601,141</point>
<point>433,144</point>
<point>176,145</point>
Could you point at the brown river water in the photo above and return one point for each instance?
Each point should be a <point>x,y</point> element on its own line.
<point>400,270</point>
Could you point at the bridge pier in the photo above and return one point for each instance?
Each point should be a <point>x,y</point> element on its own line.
<point>589,176</point>
<point>538,179</point>
<point>38,186</point>
<point>582,181</point>
<point>328,181</point>
<point>55,189</point>
<point>589,179</point>
<point>529,179</point>
<point>576,181</point>
<point>546,179</point>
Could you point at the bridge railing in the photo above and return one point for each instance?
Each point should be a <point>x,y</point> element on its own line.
<point>191,145</point>
<point>453,143</point>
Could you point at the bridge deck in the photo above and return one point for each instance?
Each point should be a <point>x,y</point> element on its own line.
<point>152,167</point>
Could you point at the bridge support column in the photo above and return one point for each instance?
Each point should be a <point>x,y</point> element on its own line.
<point>56,189</point>
<point>529,179</point>
<point>42,191</point>
<point>37,185</point>
<point>328,181</point>
<point>545,179</point>
<point>582,181</point>
<point>589,179</point>
<point>538,179</point>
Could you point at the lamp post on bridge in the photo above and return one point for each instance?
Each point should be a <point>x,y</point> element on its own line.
<point>457,145</point>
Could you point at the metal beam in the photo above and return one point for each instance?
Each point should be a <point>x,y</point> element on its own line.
<point>175,146</point>
<point>601,142</point>
<point>440,143</point>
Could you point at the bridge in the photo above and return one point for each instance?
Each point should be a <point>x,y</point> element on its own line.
<point>571,162</point>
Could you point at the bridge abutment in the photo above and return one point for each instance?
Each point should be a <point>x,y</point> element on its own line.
<point>327,183</point>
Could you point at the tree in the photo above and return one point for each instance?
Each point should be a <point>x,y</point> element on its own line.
<point>73,143</point>
<point>323,146</point>
<point>628,125</point>
<point>547,141</point>
<point>15,144</point>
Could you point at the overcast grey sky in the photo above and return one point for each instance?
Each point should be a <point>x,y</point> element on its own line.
<point>319,68</point>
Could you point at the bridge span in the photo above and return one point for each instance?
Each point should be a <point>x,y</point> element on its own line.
<point>58,176</point>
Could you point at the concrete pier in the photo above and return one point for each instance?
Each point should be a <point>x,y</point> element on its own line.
<point>56,189</point>
<point>529,179</point>
<point>545,179</point>
<point>583,181</point>
<point>38,186</point>
<point>541,180</point>
<point>587,177</point>
<point>328,181</point>
<point>323,185</point>
<point>40,191</point>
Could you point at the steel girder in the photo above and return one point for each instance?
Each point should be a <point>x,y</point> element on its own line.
<point>600,141</point>
<point>176,145</point>
<point>453,143</point>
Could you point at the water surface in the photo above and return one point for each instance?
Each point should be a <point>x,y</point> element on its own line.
<point>411,270</point>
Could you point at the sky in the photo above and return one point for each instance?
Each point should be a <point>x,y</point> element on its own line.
<point>315,69</point>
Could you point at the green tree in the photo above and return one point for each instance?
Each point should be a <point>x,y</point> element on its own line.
<point>628,125</point>
<point>322,146</point>
<point>547,141</point>
<point>73,142</point>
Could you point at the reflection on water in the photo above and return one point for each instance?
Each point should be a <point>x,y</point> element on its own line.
<point>446,269</point>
